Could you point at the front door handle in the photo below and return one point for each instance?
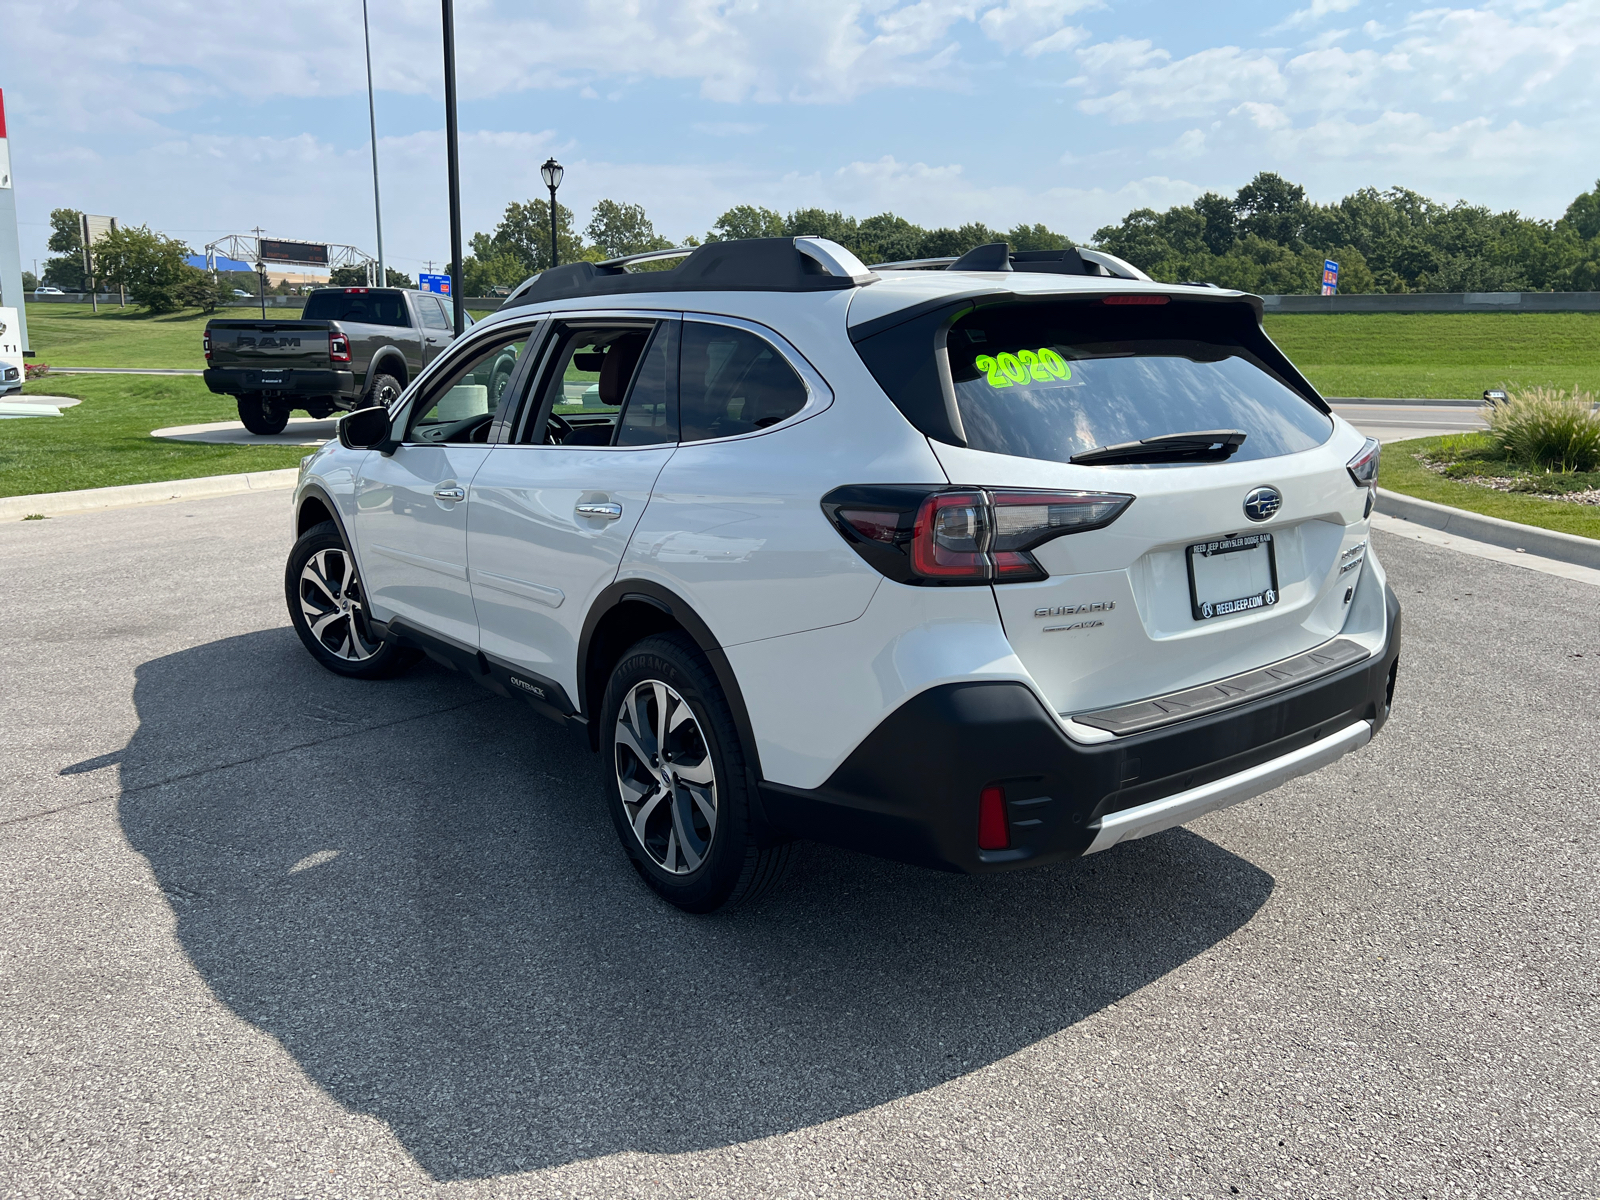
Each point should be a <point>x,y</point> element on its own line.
<point>608,511</point>
<point>449,493</point>
<point>432,340</point>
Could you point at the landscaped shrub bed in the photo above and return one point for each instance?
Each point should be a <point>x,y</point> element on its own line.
<point>1541,442</point>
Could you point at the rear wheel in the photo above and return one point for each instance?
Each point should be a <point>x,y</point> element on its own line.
<point>383,391</point>
<point>675,774</point>
<point>263,414</point>
<point>329,610</point>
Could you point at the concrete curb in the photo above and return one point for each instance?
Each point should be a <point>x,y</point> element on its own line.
<point>57,504</point>
<point>125,371</point>
<point>1563,547</point>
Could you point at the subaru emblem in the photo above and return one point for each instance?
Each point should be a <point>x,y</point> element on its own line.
<point>1262,503</point>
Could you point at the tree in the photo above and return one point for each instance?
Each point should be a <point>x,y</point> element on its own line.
<point>199,290</point>
<point>618,229</point>
<point>66,239</point>
<point>1583,214</point>
<point>746,221</point>
<point>149,265</point>
<point>1272,208</point>
<point>524,231</point>
<point>1036,237</point>
<point>29,281</point>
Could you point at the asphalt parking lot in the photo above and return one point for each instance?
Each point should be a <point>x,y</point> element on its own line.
<point>273,933</point>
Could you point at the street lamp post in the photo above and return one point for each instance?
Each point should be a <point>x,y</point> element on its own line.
<point>453,163</point>
<point>552,172</point>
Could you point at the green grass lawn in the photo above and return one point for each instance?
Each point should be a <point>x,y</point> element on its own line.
<point>1440,355</point>
<point>1400,472</point>
<point>106,440</point>
<point>74,335</point>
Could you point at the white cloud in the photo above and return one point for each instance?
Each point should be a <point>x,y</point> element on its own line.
<point>1310,16</point>
<point>1035,26</point>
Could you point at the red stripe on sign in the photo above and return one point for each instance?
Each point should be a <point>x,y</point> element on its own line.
<point>2,113</point>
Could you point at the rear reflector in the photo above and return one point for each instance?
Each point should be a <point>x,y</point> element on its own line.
<point>1135,300</point>
<point>994,831</point>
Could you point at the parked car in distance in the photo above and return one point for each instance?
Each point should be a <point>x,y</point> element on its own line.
<point>48,291</point>
<point>245,294</point>
<point>350,348</point>
<point>978,567</point>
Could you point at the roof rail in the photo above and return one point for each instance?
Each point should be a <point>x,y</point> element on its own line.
<point>997,256</point>
<point>786,264</point>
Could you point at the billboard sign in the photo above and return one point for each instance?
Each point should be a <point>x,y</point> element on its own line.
<point>434,283</point>
<point>94,228</point>
<point>1330,277</point>
<point>302,254</point>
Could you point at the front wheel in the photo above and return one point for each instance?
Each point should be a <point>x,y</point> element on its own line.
<point>263,414</point>
<point>675,774</point>
<point>329,609</point>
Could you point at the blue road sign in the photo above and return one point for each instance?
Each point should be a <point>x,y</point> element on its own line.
<point>434,283</point>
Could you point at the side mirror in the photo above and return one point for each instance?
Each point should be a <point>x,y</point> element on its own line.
<point>365,429</point>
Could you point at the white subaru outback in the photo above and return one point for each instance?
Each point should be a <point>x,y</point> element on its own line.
<point>975,567</point>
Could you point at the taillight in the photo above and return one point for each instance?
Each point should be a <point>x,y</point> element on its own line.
<point>205,340</point>
<point>338,347</point>
<point>963,536</point>
<point>1363,467</point>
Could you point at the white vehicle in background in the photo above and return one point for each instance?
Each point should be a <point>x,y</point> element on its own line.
<point>976,564</point>
<point>48,291</point>
<point>12,374</point>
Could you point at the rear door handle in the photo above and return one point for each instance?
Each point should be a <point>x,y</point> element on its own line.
<point>449,493</point>
<point>432,340</point>
<point>609,511</point>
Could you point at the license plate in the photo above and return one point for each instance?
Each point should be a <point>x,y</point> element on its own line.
<point>1232,575</point>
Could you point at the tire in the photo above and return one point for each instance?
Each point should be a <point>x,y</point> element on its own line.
<point>686,829</point>
<point>383,391</point>
<point>262,414</point>
<point>328,609</point>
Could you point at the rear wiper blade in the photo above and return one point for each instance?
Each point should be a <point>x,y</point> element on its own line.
<point>1206,445</point>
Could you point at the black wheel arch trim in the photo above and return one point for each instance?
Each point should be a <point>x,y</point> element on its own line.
<point>663,599</point>
<point>380,366</point>
<point>320,494</point>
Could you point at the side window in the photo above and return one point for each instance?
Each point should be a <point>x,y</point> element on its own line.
<point>433,315</point>
<point>460,403</point>
<point>592,373</point>
<point>733,382</point>
<point>650,415</point>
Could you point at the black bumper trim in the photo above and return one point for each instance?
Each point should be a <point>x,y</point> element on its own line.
<point>910,790</point>
<point>1193,702</point>
<point>230,381</point>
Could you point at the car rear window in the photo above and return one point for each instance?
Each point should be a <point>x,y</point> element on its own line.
<point>1048,381</point>
<point>368,308</point>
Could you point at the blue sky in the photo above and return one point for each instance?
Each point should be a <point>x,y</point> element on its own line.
<point>205,119</point>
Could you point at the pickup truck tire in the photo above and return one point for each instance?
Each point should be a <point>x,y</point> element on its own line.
<point>384,390</point>
<point>328,609</point>
<point>263,414</point>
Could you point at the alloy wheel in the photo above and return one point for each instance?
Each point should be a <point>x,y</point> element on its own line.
<point>330,601</point>
<point>666,777</point>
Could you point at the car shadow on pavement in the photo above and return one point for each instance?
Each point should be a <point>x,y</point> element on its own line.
<point>414,887</point>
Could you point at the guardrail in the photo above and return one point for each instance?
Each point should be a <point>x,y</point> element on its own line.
<point>1437,302</point>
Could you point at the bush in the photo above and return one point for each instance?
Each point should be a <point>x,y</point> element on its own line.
<point>1550,428</point>
<point>152,267</point>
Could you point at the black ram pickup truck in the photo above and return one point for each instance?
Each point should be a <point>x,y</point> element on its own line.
<point>352,348</point>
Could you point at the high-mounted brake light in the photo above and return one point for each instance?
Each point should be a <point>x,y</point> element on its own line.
<point>338,347</point>
<point>963,536</point>
<point>1135,299</point>
<point>355,291</point>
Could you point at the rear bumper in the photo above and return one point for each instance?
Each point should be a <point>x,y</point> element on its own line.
<point>910,790</point>
<point>292,381</point>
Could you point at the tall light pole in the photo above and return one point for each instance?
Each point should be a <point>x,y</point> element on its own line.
<point>552,173</point>
<point>453,163</point>
<point>372,120</point>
